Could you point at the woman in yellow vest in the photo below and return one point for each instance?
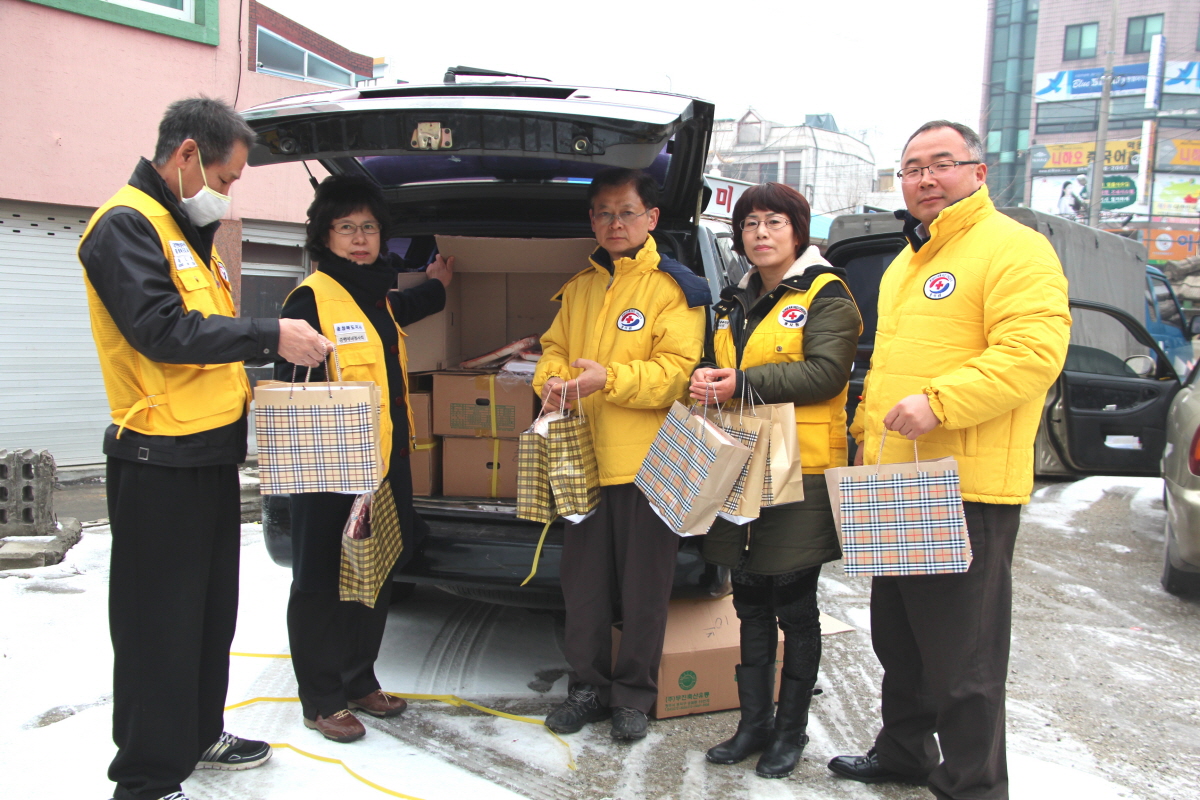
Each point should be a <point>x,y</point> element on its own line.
<point>351,299</point>
<point>787,333</point>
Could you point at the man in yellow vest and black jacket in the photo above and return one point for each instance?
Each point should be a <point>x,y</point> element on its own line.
<point>973,329</point>
<point>628,335</point>
<point>171,350</point>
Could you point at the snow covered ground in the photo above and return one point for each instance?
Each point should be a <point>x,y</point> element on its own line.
<point>55,664</point>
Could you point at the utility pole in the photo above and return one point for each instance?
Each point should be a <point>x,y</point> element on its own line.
<point>1097,190</point>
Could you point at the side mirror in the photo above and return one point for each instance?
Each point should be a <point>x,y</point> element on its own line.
<point>1194,326</point>
<point>1142,366</point>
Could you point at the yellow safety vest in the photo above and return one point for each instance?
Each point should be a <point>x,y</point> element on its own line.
<point>168,399</point>
<point>779,339</point>
<point>360,351</point>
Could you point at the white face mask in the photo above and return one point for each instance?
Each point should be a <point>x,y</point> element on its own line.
<point>207,206</point>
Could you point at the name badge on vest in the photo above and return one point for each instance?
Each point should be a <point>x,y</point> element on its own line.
<point>349,332</point>
<point>183,256</point>
<point>723,324</point>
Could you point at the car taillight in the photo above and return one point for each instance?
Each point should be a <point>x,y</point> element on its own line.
<point>1194,453</point>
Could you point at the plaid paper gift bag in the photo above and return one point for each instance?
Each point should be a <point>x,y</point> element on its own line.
<point>317,437</point>
<point>900,519</point>
<point>535,502</point>
<point>745,498</point>
<point>574,474</point>
<point>371,543</point>
<point>687,475</point>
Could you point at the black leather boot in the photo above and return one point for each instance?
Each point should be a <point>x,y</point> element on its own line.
<point>756,689</point>
<point>788,737</point>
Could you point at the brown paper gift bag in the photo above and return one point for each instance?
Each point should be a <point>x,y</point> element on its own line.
<point>689,471</point>
<point>740,422</point>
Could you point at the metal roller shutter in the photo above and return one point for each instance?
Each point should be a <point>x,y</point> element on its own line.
<point>51,391</point>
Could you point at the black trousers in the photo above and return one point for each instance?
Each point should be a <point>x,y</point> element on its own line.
<point>943,641</point>
<point>334,646</point>
<point>767,603</point>
<point>172,608</point>
<point>618,564</point>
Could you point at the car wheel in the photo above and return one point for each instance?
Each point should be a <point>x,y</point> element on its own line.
<point>1175,580</point>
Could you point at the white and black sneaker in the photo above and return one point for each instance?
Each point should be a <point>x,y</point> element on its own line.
<point>230,752</point>
<point>175,796</point>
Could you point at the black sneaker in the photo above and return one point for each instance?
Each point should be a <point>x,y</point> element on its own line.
<point>581,707</point>
<point>173,796</point>
<point>628,724</point>
<point>230,752</point>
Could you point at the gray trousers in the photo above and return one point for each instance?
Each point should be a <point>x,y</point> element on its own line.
<point>618,564</point>
<point>943,641</point>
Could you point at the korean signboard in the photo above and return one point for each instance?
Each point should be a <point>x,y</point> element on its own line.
<point>1180,77</point>
<point>1121,155</point>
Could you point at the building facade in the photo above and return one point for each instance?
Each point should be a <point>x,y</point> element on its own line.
<point>833,170</point>
<point>86,82</point>
<point>1041,110</point>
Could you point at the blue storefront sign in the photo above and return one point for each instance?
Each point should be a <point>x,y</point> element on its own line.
<point>1080,84</point>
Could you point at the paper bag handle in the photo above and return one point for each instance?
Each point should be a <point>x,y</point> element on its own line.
<point>879,458</point>
<point>337,365</point>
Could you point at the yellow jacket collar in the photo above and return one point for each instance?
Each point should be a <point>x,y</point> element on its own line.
<point>960,215</point>
<point>645,260</point>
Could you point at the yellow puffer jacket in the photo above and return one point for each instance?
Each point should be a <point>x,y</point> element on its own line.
<point>978,321</point>
<point>639,323</point>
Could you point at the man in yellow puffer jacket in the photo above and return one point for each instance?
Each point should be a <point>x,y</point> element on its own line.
<point>622,348</point>
<point>973,329</point>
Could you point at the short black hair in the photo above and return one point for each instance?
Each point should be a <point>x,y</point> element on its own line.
<point>970,137</point>
<point>339,196</point>
<point>611,177</point>
<point>212,124</point>
<point>776,197</point>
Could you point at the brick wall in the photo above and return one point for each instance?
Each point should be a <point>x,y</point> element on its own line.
<point>299,35</point>
<point>229,244</point>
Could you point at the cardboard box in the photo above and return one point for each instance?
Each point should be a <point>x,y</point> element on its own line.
<point>426,459</point>
<point>462,406</point>
<point>500,293</point>
<point>701,650</point>
<point>467,467</point>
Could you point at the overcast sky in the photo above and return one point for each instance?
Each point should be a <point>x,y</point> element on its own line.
<point>881,67</point>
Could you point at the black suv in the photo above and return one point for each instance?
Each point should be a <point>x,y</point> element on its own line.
<point>504,160</point>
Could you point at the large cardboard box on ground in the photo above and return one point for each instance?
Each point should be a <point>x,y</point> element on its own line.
<point>426,459</point>
<point>500,293</point>
<point>462,405</point>
<point>467,467</point>
<point>700,652</point>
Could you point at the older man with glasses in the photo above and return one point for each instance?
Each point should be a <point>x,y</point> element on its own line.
<point>973,330</point>
<point>622,348</point>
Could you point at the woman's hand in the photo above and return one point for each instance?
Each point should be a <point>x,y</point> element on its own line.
<point>713,385</point>
<point>441,269</point>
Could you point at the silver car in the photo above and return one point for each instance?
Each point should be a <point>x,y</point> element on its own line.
<point>1181,491</point>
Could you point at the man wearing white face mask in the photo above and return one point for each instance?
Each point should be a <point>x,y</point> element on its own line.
<point>171,348</point>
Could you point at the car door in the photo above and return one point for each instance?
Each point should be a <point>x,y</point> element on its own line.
<point>1108,409</point>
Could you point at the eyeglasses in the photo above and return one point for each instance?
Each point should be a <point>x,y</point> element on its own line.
<point>626,217</point>
<point>772,223</point>
<point>936,169</point>
<point>349,228</point>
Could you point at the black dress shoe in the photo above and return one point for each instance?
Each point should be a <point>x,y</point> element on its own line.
<point>868,770</point>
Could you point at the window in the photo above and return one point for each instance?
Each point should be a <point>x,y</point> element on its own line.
<point>1080,41</point>
<point>1128,111</point>
<point>749,132</point>
<point>1067,117</point>
<point>178,9</point>
<point>792,173</point>
<point>194,20</point>
<point>1141,31</point>
<point>279,56</point>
